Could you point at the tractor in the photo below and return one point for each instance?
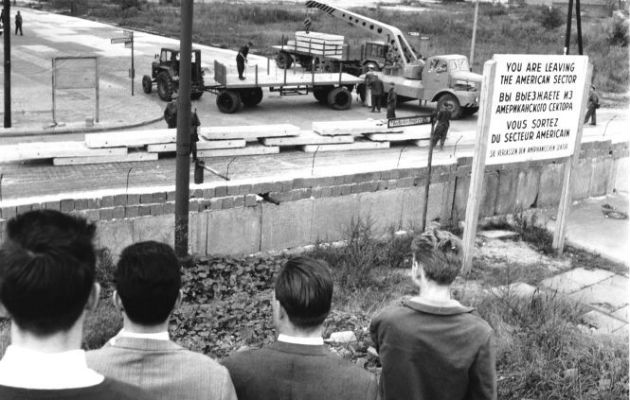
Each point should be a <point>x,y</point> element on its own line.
<point>165,74</point>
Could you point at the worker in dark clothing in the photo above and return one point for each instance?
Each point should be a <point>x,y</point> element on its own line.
<point>194,136</point>
<point>442,121</point>
<point>241,59</point>
<point>377,93</point>
<point>18,23</point>
<point>170,114</point>
<point>593,104</point>
<point>391,102</point>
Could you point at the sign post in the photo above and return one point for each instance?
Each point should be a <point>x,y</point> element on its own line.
<point>532,109</point>
<point>127,40</point>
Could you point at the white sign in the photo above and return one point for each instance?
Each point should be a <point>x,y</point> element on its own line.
<point>535,107</point>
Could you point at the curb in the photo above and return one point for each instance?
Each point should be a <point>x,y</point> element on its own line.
<point>82,129</point>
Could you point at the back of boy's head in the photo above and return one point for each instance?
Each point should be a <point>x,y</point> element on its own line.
<point>47,268</point>
<point>440,253</point>
<point>304,288</point>
<point>148,281</point>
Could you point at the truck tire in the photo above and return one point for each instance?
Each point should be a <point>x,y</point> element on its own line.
<point>340,98</point>
<point>321,93</point>
<point>165,86</point>
<point>284,60</point>
<point>468,111</point>
<point>229,101</point>
<point>147,84</point>
<point>251,97</point>
<point>447,98</point>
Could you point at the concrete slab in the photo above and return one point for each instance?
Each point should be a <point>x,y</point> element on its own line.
<point>332,217</point>
<point>518,289</point>
<point>621,179</point>
<point>114,235</point>
<point>413,204</point>
<point>622,332</point>
<point>550,185</point>
<point>160,228</point>
<point>383,209</point>
<point>198,233</point>
<point>582,172</point>
<point>286,225</point>
<point>602,322</point>
<point>601,174</point>
<point>589,229</point>
<point>608,295</point>
<point>489,196</point>
<point>234,231</point>
<point>527,188</point>
<point>506,193</point>
<point>575,279</point>
<point>498,234</point>
<point>621,313</point>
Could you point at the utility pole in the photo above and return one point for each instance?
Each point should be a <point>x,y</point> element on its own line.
<point>567,37</point>
<point>474,35</point>
<point>6,25</point>
<point>182,168</point>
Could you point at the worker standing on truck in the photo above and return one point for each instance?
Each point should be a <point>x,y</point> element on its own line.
<point>377,93</point>
<point>391,102</point>
<point>241,59</point>
<point>442,120</point>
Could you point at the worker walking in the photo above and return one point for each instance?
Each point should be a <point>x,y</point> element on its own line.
<point>442,121</point>
<point>170,114</point>
<point>391,102</point>
<point>18,23</point>
<point>377,93</point>
<point>241,59</point>
<point>593,104</point>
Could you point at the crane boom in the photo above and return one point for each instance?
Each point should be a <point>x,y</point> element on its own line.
<point>395,38</point>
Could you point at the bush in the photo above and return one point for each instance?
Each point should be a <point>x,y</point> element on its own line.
<point>619,34</point>
<point>551,18</point>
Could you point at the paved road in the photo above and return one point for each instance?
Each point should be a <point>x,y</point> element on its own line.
<point>50,34</point>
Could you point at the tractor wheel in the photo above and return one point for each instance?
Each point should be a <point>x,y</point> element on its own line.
<point>195,95</point>
<point>340,98</point>
<point>284,60</point>
<point>452,102</point>
<point>321,93</point>
<point>251,97</point>
<point>165,86</point>
<point>147,84</point>
<point>361,90</point>
<point>229,101</point>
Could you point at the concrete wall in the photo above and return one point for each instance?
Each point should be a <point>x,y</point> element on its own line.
<point>233,219</point>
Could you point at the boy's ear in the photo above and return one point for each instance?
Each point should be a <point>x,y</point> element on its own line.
<point>94,297</point>
<point>3,312</point>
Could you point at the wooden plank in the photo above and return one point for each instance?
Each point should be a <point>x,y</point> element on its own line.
<point>43,150</point>
<point>130,138</point>
<point>243,151</point>
<point>201,145</point>
<point>311,148</point>
<point>131,157</point>
<point>307,137</point>
<point>360,127</point>
<point>248,131</point>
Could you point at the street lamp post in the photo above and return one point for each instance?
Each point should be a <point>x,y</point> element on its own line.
<point>182,168</point>
<point>6,25</point>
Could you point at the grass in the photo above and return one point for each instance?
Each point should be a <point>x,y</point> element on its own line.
<point>524,29</point>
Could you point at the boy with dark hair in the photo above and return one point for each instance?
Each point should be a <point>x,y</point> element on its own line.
<point>147,291</point>
<point>431,346</point>
<point>47,267</point>
<point>297,365</point>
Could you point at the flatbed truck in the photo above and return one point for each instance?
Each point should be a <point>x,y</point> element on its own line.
<point>334,89</point>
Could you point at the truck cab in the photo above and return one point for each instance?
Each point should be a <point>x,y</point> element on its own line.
<point>447,79</point>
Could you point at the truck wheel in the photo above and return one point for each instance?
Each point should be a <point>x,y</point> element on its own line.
<point>456,110</point>
<point>467,111</point>
<point>147,84</point>
<point>196,95</point>
<point>251,97</point>
<point>361,91</point>
<point>165,86</point>
<point>321,93</point>
<point>340,98</point>
<point>284,60</point>
<point>229,101</point>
